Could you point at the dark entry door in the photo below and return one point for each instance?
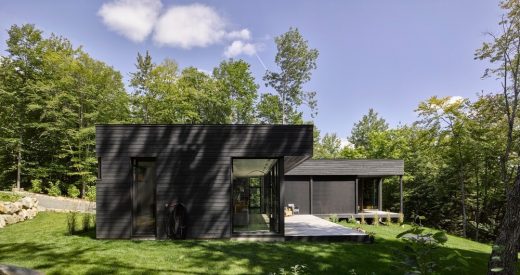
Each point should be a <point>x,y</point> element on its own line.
<point>143,203</point>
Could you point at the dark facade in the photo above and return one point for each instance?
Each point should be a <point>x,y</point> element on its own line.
<point>339,186</point>
<point>191,164</point>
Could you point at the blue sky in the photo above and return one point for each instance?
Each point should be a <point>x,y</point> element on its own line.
<point>386,55</point>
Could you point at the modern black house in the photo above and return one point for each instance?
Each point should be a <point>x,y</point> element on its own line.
<point>342,186</point>
<point>229,177</point>
<point>233,180</point>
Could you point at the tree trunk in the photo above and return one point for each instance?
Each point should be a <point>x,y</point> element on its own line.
<point>505,250</point>
<point>19,167</point>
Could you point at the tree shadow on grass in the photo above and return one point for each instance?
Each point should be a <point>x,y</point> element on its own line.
<point>86,256</point>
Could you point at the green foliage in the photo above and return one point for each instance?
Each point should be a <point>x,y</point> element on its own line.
<point>54,188</point>
<point>293,270</point>
<point>235,79</point>
<point>36,186</point>
<point>88,221</point>
<point>370,123</point>
<point>9,197</point>
<point>328,147</point>
<point>420,254</point>
<point>90,195</point>
<point>72,222</point>
<point>334,218</point>
<point>375,220</point>
<point>51,95</point>
<point>296,62</point>
<point>73,191</point>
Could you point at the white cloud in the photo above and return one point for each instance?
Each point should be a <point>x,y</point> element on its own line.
<point>133,19</point>
<point>238,48</point>
<point>243,34</point>
<point>189,26</point>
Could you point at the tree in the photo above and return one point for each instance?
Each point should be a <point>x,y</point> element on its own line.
<point>52,95</point>
<point>20,70</point>
<point>140,81</point>
<point>234,78</point>
<point>370,122</point>
<point>504,51</point>
<point>448,115</point>
<point>296,62</point>
<point>329,147</point>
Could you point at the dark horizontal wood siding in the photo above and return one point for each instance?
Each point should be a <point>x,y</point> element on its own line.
<point>193,166</point>
<point>348,167</point>
<point>297,192</point>
<point>333,196</point>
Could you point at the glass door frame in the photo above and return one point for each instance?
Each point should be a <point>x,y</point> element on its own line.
<point>278,169</point>
<point>134,163</point>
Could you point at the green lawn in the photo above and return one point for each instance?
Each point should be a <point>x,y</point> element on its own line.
<point>42,244</point>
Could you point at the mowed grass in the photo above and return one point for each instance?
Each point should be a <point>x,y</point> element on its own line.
<point>43,244</point>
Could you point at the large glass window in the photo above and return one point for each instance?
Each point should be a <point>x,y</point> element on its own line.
<point>256,192</point>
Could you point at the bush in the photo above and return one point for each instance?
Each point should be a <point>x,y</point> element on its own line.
<point>72,218</point>
<point>36,186</point>
<point>73,191</point>
<point>90,194</point>
<point>421,253</point>
<point>375,220</point>
<point>388,219</point>
<point>334,218</point>
<point>54,189</point>
<point>88,221</point>
<point>363,219</point>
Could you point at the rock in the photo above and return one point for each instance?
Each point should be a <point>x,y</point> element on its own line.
<point>3,208</point>
<point>10,219</point>
<point>2,222</point>
<point>16,206</point>
<point>31,213</point>
<point>23,215</point>
<point>27,202</point>
<point>15,270</point>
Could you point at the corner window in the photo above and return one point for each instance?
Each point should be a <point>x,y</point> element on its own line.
<point>99,168</point>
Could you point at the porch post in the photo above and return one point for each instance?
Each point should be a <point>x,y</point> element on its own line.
<point>380,195</point>
<point>311,193</point>
<point>356,199</point>
<point>401,193</point>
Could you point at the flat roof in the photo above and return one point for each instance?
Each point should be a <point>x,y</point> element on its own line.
<point>349,167</point>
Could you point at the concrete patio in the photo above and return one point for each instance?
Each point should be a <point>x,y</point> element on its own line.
<point>312,228</point>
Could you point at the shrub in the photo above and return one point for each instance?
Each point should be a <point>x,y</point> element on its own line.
<point>334,218</point>
<point>87,222</point>
<point>36,186</point>
<point>421,253</point>
<point>388,219</point>
<point>54,189</point>
<point>73,191</point>
<point>363,219</point>
<point>293,270</point>
<point>72,218</point>
<point>351,219</point>
<point>90,194</point>
<point>375,221</point>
